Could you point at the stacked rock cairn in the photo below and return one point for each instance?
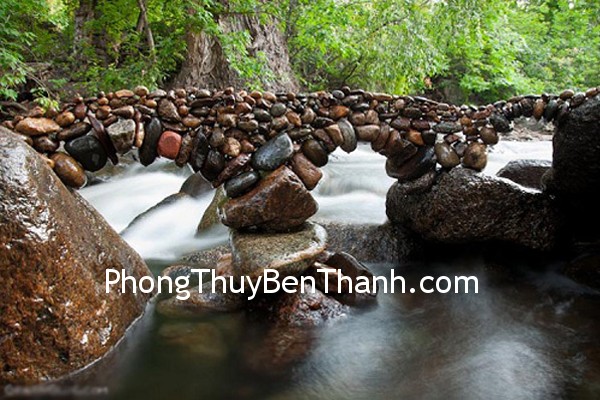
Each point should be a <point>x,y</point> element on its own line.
<point>266,149</point>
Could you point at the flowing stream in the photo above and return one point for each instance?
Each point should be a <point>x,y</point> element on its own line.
<point>529,333</point>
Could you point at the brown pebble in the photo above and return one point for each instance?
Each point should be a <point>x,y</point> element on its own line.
<point>489,135</point>
<point>232,147</point>
<point>169,145</point>
<point>384,134</point>
<point>308,173</point>
<point>415,137</point>
<point>475,156</point>
<point>339,111</point>
<point>69,171</point>
<point>65,119</point>
<point>335,134</point>
<point>124,93</point>
<point>44,144</point>
<point>538,109</point>
<point>187,145</point>
<point>567,94</point>
<point>367,133</point>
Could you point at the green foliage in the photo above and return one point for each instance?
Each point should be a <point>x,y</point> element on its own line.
<point>485,49</point>
<point>469,50</point>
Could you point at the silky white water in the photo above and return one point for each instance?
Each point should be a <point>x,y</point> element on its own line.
<point>352,190</point>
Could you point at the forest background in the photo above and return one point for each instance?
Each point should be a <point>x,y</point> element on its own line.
<point>455,50</point>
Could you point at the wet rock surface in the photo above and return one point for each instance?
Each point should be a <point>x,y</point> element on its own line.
<point>55,316</point>
<point>279,202</point>
<point>526,173</point>
<point>490,210</point>
<point>575,174</point>
<point>289,253</point>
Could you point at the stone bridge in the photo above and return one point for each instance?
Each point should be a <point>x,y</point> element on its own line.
<point>267,149</point>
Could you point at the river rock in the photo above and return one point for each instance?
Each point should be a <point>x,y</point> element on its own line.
<point>526,173</point>
<point>68,170</point>
<point>210,218</point>
<point>44,144</point>
<point>65,118</point>
<point>169,145</point>
<point>122,135</point>
<point>195,185</point>
<point>289,253</point>
<point>200,152</point>
<point>475,156</point>
<point>274,153</point>
<point>279,202</point>
<point>56,316</point>
<point>306,171</point>
<point>492,209</point>
<point>412,168</point>
<point>204,302</point>
<point>168,111</point>
<point>315,152</point>
<point>350,140</point>
<point>37,126</point>
<point>575,174</point>
<point>446,155</point>
<point>148,151</point>
<point>88,151</point>
<point>214,164</point>
<point>238,185</point>
<point>74,131</point>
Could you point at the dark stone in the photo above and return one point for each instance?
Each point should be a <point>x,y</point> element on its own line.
<point>200,152</point>
<point>315,152</point>
<point>74,131</point>
<point>551,110</point>
<point>195,185</point>
<point>241,184</point>
<point>350,140</point>
<point>262,115</point>
<point>214,164</point>
<point>491,209</point>
<point>447,127</point>
<point>499,122</point>
<point>274,153</point>
<point>88,151</point>
<point>278,109</point>
<point>152,132</point>
<point>575,174</point>
<point>526,173</point>
<point>412,168</point>
<point>55,314</point>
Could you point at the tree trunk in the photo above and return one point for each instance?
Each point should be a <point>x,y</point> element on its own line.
<point>84,36</point>
<point>144,26</point>
<point>206,64</point>
<point>84,13</point>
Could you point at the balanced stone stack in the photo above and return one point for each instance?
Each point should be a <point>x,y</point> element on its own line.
<point>265,148</point>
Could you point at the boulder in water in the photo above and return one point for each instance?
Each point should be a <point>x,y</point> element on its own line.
<point>465,206</point>
<point>55,316</point>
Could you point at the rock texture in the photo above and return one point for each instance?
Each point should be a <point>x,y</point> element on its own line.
<point>288,253</point>
<point>280,202</point>
<point>464,206</point>
<point>526,173</point>
<point>55,316</point>
<point>575,174</point>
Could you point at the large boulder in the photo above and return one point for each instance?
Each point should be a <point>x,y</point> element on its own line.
<point>55,316</point>
<point>575,174</point>
<point>526,173</point>
<point>465,206</point>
